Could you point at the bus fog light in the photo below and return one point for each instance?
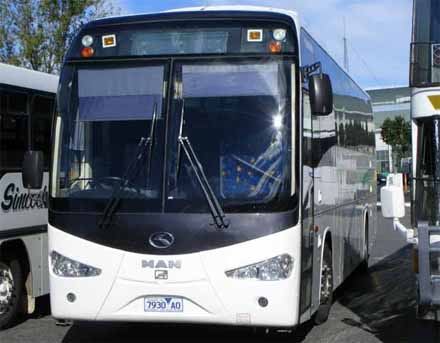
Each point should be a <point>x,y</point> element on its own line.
<point>274,269</point>
<point>263,302</point>
<point>71,297</point>
<point>66,267</point>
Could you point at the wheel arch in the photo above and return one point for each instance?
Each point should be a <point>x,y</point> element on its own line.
<point>366,226</point>
<point>16,247</point>
<point>327,241</point>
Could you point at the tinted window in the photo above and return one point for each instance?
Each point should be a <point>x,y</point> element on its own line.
<point>235,117</point>
<point>425,62</point>
<point>427,182</point>
<point>106,123</point>
<point>104,94</point>
<point>42,109</point>
<point>13,130</point>
<point>16,102</point>
<point>426,21</point>
<point>180,38</point>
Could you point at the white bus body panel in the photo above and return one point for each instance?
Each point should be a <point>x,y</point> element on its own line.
<point>209,295</point>
<point>26,78</point>
<point>421,106</point>
<point>22,218</point>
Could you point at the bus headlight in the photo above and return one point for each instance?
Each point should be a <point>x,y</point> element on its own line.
<point>66,267</point>
<point>274,269</point>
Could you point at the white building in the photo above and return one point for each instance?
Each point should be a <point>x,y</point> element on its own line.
<point>388,102</point>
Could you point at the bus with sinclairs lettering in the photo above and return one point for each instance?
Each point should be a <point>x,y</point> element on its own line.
<point>27,101</point>
<point>210,165</point>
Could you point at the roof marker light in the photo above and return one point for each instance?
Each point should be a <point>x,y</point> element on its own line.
<point>87,40</point>
<point>279,34</point>
<point>255,35</point>
<point>108,41</point>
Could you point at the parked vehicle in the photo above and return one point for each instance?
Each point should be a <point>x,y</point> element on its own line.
<point>210,165</point>
<point>424,233</point>
<point>26,108</point>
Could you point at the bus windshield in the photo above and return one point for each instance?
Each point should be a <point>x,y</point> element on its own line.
<point>427,180</point>
<point>425,55</point>
<point>234,113</point>
<point>235,116</point>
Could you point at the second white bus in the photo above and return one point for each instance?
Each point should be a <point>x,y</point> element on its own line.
<point>27,101</point>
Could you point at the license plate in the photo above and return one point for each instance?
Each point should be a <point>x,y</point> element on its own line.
<point>163,304</point>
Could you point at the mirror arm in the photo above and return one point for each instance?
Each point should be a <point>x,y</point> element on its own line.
<point>408,233</point>
<point>308,70</point>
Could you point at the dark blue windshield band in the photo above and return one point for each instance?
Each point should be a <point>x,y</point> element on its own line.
<point>230,80</point>
<point>120,93</point>
<point>111,108</point>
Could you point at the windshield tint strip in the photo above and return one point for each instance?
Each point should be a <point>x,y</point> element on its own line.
<point>230,80</point>
<point>119,93</point>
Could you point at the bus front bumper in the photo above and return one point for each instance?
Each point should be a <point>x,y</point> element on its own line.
<point>196,281</point>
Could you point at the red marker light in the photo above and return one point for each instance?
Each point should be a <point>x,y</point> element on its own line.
<point>87,52</point>
<point>275,47</point>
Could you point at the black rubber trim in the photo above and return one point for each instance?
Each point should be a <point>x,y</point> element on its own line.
<point>192,232</point>
<point>24,231</point>
<point>191,16</point>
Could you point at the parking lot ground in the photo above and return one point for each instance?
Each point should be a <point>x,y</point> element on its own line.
<point>378,306</point>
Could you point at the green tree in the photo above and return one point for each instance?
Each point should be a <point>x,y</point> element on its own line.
<point>397,133</point>
<point>37,33</point>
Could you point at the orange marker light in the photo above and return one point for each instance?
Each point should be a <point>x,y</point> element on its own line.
<point>255,35</point>
<point>87,52</point>
<point>108,41</point>
<point>275,47</point>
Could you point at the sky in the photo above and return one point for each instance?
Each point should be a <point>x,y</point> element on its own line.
<point>378,31</point>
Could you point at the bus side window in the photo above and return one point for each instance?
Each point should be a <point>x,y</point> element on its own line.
<point>13,129</point>
<point>41,115</point>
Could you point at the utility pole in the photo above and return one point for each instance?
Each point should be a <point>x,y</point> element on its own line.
<point>346,63</point>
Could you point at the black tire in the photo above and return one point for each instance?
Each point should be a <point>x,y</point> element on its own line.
<point>326,298</point>
<point>13,297</point>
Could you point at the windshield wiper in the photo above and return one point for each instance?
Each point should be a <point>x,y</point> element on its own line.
<point>214,205</point>
<point>215,208</point>
<point>143,156</point>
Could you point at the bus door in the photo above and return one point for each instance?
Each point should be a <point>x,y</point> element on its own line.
<point>309,146</point>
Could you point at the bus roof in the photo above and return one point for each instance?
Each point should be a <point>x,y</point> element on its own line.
<point>26,78</point>
<point>212,8</point>
<point>242,8</point>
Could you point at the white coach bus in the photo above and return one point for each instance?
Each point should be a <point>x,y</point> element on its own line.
<point>26,108</point>
<point>210,165</point>
<point>424,233</point>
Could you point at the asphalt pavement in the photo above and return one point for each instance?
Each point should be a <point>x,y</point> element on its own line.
<point>378,306</point>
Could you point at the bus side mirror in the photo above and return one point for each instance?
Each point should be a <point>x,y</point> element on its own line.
<point>321,94</point>
<point>33,169</point>
<point>392,198</point>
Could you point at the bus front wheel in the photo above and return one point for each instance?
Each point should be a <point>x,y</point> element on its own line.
<point>11,292</point>
<point>326,294</point>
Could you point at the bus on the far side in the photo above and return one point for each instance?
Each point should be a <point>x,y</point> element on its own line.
<point>27,101</point>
